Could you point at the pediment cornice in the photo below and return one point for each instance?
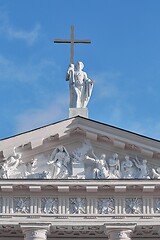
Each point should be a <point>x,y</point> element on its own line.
<point>80,127</point>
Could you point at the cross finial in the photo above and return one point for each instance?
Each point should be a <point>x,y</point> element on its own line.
<point>72,41</point>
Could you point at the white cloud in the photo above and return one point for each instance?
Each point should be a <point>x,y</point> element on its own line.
<point>10,31</point>
<point>105,84</point>
<point>28,72</point>
<point>38,117</point>
<point>29,36</point>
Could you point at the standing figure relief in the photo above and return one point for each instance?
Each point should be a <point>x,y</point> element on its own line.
<point>59,161</point>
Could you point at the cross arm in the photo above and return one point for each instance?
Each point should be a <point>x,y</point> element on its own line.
<point>69,41</point>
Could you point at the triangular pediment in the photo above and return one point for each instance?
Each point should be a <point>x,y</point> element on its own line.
<point>79,148</point>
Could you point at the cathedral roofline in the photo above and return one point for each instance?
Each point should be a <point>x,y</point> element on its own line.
<point>86,119</point>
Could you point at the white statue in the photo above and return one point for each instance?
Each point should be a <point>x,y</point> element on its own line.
<point>80,86</point>
<point>156,173</point>
<point>9,169</point>
<point>114,167</point>
<point>59,161</point>
<point>127,168</point>
<point>143,169</point>
<point>79,153</point>
<point>31,167</point>
<point>101,169</point>
<point>3,171</point>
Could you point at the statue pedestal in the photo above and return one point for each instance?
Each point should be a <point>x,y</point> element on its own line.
<point>73,112</point>
<point>78,170</point>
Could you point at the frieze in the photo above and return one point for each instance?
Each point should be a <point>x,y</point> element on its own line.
<point>83,206</point>
<point>81,163</point>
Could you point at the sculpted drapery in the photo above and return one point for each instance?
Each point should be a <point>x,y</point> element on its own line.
<point>80,86</point>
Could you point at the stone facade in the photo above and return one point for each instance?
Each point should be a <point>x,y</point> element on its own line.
<point>79,179</point>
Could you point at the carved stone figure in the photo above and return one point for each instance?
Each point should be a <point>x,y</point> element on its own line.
<point>50,205</point>
<point>156,173</point>
<point>114,167</point>
<point>106,205</point>
<point>79,154</point>
<point>77,205</point>
<point>143,169</point>
<point>31,167</point>
<point>127,168</point>
<point>9,168</point>
<point>134,205</point>
<point>101,169</point>
<point>80,86</point>
<point>21,205</point>
<point>59,161</point>
<point>3,171</point>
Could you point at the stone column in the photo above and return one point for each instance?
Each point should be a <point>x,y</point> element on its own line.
<point>119,232</point>
<point>35,231</point>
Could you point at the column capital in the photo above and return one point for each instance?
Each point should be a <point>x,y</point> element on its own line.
<point>119,231</point>
<point>35,231</point>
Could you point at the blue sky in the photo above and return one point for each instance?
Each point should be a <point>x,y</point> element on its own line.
<point>123,59</point>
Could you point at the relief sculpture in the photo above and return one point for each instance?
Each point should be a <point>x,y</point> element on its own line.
<point>133,205</point>
<point>50,205</point>
<point>101,169</point>
<point>106,205</point>
<point>21,205</point>
<point>81,163</point>
<point>9,168</point>
<point>77,205</point>
<point>59,161</point>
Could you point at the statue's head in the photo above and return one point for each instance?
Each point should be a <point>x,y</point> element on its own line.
<point>61,148</point>
<point>144,161</point>
<point>103,156</point>
<point>115,156</point>
<point>79,65</point>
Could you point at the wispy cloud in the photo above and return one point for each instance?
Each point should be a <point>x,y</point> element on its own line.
<point>45,104</point>
<point>28,72</point>
<point>12,32</point>
<point>37,117</point>
<point>120,105</point>
<point>147,127</point>
<point>105,84</point>
<point>29,36</point>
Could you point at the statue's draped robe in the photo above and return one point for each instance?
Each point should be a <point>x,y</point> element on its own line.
<point>80,88</point>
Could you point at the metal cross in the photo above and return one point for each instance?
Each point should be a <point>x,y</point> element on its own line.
<point>72,41</point>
